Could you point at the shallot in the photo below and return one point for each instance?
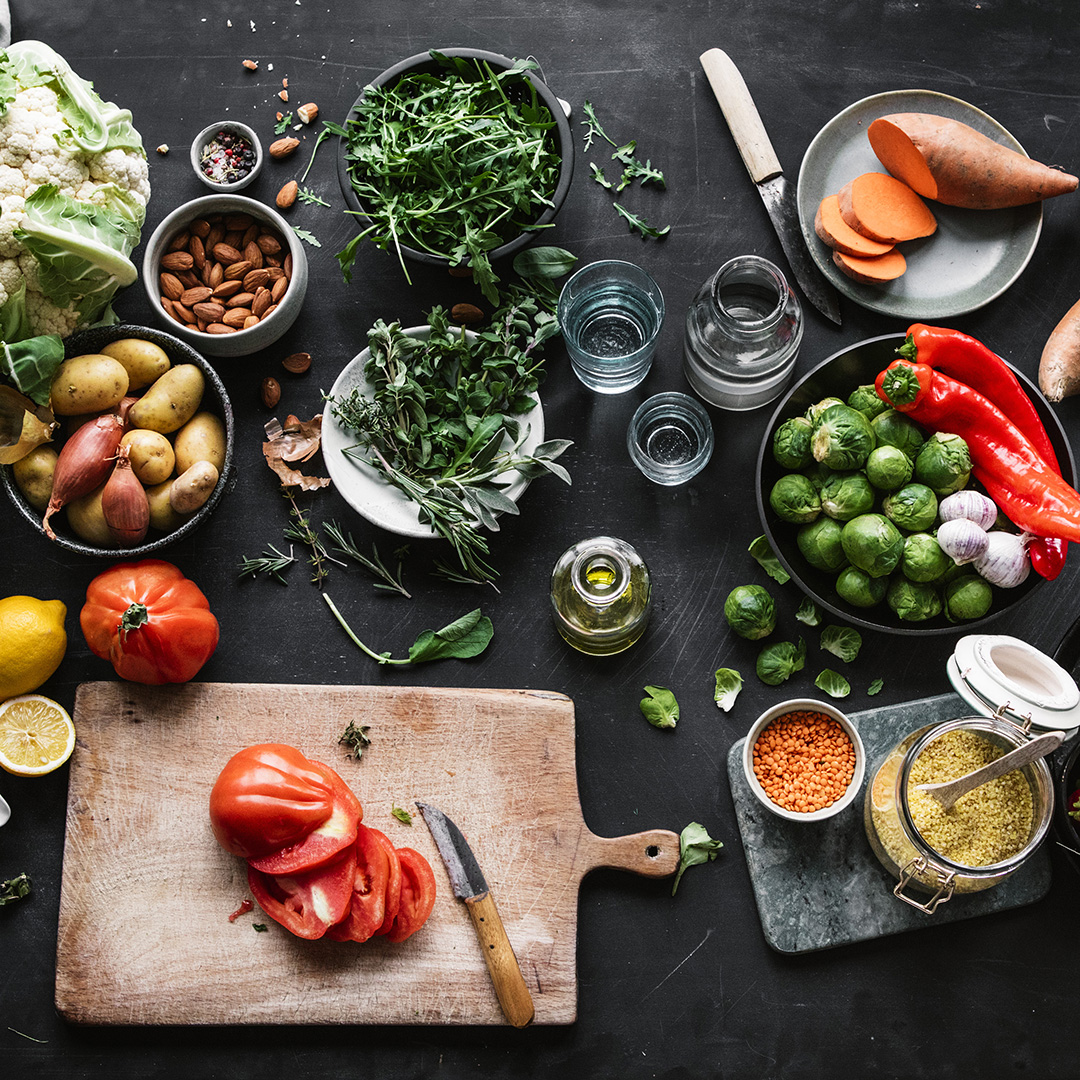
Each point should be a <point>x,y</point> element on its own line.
<point>962,540</point>
<point>83,463</point>
<point>124,503</point>
<point>969,504</point>
<point>1005,562</point>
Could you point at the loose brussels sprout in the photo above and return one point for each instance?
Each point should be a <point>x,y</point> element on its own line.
<point>912,601</point>
<point>794,498</point>
<point>777,663</point>
<point>872,543</point>
<point>813,414</point>
<point>750,611</point>
<point>913,508</point>
<point>943,464</point>
<point>820,544</point>
<point>967,597</point>
<point>892,428</point>
<point>888,468</point>
<point>859,589</point>
<point>791,443</point>
<point>866,400</point>
<point>923,560</point>
<point>847,495</point>
<point>818,474</point>
<point>842,438</point>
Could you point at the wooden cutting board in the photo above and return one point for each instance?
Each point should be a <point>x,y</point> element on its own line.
<point>145,936</point>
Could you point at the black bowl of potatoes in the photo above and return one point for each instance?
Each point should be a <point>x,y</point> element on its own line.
<point>891,602</point>
<point>176,439</point>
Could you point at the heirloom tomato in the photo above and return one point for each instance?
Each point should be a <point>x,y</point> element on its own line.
<point>370,883</point>
<point>307,904</point>
<point>417,895</point>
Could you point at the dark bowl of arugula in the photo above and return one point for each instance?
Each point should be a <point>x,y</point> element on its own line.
<point>455,157</point>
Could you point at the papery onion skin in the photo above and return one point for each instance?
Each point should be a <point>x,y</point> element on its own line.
<point>1005,563</point>
<point>962,540</point>
<point>971,505</point>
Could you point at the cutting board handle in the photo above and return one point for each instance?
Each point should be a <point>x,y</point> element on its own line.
<point>654,853</point>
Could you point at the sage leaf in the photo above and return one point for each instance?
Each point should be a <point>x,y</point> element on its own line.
<point>696,846</point>
<point>660,708</point>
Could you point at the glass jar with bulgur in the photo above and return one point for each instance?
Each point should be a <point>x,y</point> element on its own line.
<point>983,838</point>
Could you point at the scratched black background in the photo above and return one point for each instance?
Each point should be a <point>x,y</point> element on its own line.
<point>683,988</point>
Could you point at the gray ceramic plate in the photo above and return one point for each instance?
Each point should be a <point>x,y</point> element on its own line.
<point>974,256</point>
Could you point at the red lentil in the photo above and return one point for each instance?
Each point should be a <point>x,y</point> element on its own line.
<point>804,761</point>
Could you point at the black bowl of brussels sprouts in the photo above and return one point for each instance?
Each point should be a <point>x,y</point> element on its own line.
<point>857,531</point>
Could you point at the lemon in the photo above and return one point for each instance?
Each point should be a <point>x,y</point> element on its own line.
<point>36,735</point>
<point>32,642</point>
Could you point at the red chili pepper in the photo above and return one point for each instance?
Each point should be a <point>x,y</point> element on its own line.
<point>1033,495</point>
<point>969,361</point>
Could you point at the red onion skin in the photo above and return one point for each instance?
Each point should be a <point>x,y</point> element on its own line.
<point>124,504</point>
<point>83,463</point>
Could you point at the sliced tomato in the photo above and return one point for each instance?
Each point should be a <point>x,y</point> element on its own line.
<point>307,904</point>
<point>268,796</point>
<point>393,883</point>
<point>325,841</point>
<point>368,907</point>
<point>417,895</point>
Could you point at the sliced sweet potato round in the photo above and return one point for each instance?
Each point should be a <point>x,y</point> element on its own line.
<point>874,269</point>
<point>836,233</point>
<point>885,209</point>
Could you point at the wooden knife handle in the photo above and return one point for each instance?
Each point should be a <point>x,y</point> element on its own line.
<point>513,994</point>
<point>741,115</point>
<point>654,853</point>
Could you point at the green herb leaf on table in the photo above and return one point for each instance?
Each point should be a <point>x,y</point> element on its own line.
<point>355,738</point>
<point>660,708</point>
<point>306,195</point>
<point>544,262</point>
<point>636,222</point>
<point>809,613</point>
<point>599,177</point>
<point>283,124</point>
<point>645,174</point>
<point>387,580</point>
<point>592,126</point>
<point>833,683</point>
<point>402,815</point>
<point>260,927</point>
<point>875,687</point>
<point>307,237</point>
<point>842,641</point>
<point>728,684</point>
<point>14,889</point>
<point>762,551</point>
<point>777,663</point>
<point>696,846</point>
<point>273,562</point>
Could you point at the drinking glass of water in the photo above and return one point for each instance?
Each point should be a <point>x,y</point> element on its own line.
<point>611,313</point>
<point>670,438</point>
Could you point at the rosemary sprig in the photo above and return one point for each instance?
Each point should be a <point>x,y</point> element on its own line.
<point>388,580</point>
<point>272,564</point>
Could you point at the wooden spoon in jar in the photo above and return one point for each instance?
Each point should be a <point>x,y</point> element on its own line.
<point>947,792</point>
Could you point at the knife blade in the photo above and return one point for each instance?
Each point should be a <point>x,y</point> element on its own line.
<point>468,882</point>
<point>764,167</point>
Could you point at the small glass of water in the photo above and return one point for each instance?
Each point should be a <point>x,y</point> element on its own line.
<point>670,438</point>
<point>611,313</point>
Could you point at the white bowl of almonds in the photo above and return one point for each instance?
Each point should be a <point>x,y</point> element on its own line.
<point>227,274</point>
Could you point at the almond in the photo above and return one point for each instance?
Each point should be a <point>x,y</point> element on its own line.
<point>466,313</point>
<point>236,271</point>
<point>171,286</point>
<point>240,299</point>
<point>268,243</point>
<point>241,222</point>
<point>235,317</point>
<point>287,195</point>
<point>216,275</point>
<point>307,112</point>
<point>183,313</point>
<point>226,253</point>
<point>261,301</point>
<point>270,391</point>
<point>219,328</point>
<point>253,254</point>
<point>179,241</point>
<point>279,289</point>
<point>200,227</point>
<point>250,321</point>
<point>198,252</point>
<point>177,260</point>
<point>282,148</point>
<point>191,297</point>
<point>297,363</point>
<point>255,278</point>
<point>226,289</point>
<point>210,311</point>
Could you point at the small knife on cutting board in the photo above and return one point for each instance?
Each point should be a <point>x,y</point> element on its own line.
<point>761,162</point>
<point>469,884</point>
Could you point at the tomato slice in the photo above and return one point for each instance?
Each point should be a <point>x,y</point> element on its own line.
<point>393,883</point>
<point>267,797</point>
<point>368,907</point>
<point>335,834</point>
<point>417,895</point>
<point>307,904</point>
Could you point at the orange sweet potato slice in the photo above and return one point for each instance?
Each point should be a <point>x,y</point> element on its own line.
<point>836,233</point>
<point>885,209</point>
<point>874,269</point>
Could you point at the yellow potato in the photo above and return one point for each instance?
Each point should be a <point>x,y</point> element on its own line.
<point>162,516</point>
<point>171,401</point>
<point>143,360</point>
<point>152,456</point>
<point>202,438</point>
<point>193,487</point>
<point>34,476</point>
<point>88,522</point>
<point>88,384</point>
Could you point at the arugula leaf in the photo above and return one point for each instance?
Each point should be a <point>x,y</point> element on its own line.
<point>875,687</point>
<point>592,126</point>
<point>307,237</point>
<point>761,550</point>
<point>16,888</point>
<point>728,684</point>
<point>809,612</point>
<point>833,683</point>
<point>777,663</point>
<point>696,846</point>
<point>660,708</point>
<point>641,225</point>
<point>599,177</point>
<point>842,641</point>
<point>283,124</point>
<point>402,815</point>
<point>306,195</point>
<point>646,174</point>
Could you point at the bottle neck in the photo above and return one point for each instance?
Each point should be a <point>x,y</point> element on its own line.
<point>600,577</point>
<point>750,296</point>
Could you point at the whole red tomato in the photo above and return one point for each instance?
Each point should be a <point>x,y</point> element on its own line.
<point>149,620</point>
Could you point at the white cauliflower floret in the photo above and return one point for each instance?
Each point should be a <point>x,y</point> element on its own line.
<point>124,168</point>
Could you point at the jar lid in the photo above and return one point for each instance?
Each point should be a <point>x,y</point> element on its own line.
<point>995,671</point>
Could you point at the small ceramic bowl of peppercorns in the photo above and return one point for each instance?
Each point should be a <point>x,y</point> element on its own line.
<point>226,156</point>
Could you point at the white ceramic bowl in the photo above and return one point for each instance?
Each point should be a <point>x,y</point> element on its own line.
<point>267,330</point>
<point>232,127</point>
<point>805,705</point>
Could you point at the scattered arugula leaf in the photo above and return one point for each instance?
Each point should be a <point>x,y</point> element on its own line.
<point>809,613</point>
<point>842,641</point>
<point>355,737</point>
<point>696,846</point>
<point>402,815</point>
<point>599,177</point>
<point>762,551</point>
<point>272,564</point>
<point>283,124</point>
<point>259,927</point>
<point>728,684</point>
<point>660,708</point>
<point>307,237</point>
<point>306,195</point>
<point>14,889</point>
<point>329,128</point>
<point>465,637</point>
<point>592,126</point>
<point>833,683</point>
<point>875,687</point>
<point>645,174</point>
<point>777,663</point>
<point>635,221</point>
<point>388,580</point>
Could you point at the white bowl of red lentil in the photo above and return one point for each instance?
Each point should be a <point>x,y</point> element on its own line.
<point>804,760</point>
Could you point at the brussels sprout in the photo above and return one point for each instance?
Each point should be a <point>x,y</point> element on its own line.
<point>967,597</point>
<point>791,443</point>
<point>795,499</point>
<point>859,589</point>
<point>777,663</point>
<point>892,428</point>
<point>923,560</point>
<point>888,468</point>
<point>913,508</point>
<point>943,464</point>
<point>912,601</point>
<point>820,544</point>
<point>872,543</point>
<point>750,611</point>
<point>842,438</point>
<point>866,400</point>
<point>846,495</point>
<point>818,474</point>
<point>813,414</point>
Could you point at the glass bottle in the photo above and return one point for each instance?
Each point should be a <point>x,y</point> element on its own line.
<point>743,332</point>
<point>600,591</point>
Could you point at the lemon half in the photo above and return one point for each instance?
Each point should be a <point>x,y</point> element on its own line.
<point>36,735</point>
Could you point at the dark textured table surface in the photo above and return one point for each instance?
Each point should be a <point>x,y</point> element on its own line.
<point>684,987</point>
